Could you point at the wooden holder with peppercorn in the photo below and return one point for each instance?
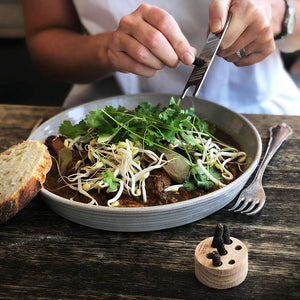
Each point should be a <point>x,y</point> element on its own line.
<point>221,261</point>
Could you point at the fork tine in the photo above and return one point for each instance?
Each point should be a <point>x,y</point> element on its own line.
<point>238,202</point>
<point>244,205</point>
<point>255,211</point>
<point>250,208</point>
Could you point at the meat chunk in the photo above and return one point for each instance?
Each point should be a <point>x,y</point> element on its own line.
<point>54,144</point>
<point>157,182</point>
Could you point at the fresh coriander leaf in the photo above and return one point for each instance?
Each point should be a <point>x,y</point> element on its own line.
<point>111,180</point>
<point>147,109</point>
<point>198,179</point>
<point>215,173</point>
<point>190,139</point>
<point>190,184</point>
<point>97,120</point>
<point>119,114</point>
<point>153,132</point>
<point>173,102</point>
<point>113,111</point>
<point>168,135</point>
<point>72,131</point>
<point>186,124</point>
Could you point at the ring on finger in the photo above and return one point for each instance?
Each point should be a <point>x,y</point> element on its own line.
<point>241,53</point>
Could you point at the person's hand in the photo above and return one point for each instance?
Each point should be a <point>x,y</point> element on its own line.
<point>147,40</point>
<point>253,26</point>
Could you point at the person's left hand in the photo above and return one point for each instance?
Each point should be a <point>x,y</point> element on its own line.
<point>252,28</point>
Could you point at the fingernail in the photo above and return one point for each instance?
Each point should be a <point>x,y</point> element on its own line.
<point>216,26</point>
<point>188,58</point>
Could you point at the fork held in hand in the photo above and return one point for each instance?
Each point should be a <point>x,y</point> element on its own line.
<point>252,199</point>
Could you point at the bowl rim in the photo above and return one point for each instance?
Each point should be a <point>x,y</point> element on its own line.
<point>158,208</point>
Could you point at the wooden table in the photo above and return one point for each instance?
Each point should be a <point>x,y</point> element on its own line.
<point>43,256</point>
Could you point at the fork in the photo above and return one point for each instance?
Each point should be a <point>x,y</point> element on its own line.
<point>252,198</point>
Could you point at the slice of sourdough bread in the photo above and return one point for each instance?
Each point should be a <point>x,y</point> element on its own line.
<point>23,168</point>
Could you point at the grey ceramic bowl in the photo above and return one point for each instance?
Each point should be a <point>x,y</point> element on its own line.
<point>164,216</point>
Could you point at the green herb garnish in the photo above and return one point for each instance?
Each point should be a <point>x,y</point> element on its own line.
<point>155,129</point>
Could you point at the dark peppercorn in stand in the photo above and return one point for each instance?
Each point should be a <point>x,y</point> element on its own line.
<point>221,261</point>
<point>44,256</point>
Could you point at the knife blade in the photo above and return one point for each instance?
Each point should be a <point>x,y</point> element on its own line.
<point>203,61</point>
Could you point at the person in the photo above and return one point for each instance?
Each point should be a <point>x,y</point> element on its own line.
<point>294,69</point>
<point>151,47</point>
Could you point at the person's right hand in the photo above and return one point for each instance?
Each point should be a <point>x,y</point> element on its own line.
<point>147,40</point>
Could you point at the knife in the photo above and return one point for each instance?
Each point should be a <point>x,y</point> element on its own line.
<point>203,62</point>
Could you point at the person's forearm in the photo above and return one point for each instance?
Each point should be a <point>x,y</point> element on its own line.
<point>291,43</point>
<point>68,56</point>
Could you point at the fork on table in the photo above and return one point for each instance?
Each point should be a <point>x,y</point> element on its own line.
<point>252,198</point>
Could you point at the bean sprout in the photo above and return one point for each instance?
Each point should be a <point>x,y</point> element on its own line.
<point>125,165</point>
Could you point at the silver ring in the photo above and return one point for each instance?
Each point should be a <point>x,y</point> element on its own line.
<point>241,53</point>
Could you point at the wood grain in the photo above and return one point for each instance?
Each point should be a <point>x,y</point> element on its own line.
<point>43,256</point>
<point>233,267</point>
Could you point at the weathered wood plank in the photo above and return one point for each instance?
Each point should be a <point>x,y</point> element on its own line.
<point>16,122</point>
<point>43,256</point>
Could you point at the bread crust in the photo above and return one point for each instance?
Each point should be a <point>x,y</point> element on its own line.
<point>17,201</point>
